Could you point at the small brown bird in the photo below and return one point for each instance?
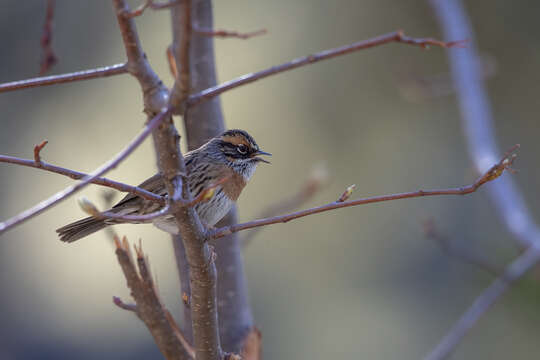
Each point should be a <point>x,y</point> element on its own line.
<point>231,157</point>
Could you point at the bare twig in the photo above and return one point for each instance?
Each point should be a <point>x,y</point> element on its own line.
<point>462,254</point>
<point>494,172</point>
<point>138,11</point>
<point>228,34</point>
<point>62,195</point>
<point>78,175</point>
<point>122,305</point>
<point>148,305</point>
<point>48,58</point>
<point>65,78</point>
<point>397,36</point>
<point>37,150</point>
<point>489,296</point>
<point>347,193</point>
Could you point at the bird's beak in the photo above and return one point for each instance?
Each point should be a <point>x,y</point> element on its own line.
<point>260,152</point>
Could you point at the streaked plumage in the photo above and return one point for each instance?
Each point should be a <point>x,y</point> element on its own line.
<point>232,155</point>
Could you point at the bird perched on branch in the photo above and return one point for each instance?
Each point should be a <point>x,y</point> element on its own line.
<point>228,160</point>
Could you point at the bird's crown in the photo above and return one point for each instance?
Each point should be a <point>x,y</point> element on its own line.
<point>239,145</point>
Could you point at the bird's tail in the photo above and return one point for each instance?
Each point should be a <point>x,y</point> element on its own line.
<point>79,229</point>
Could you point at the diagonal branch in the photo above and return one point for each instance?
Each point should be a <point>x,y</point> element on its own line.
<point>64,78</point>
<point>228,34</point>
<point>70,190</point>
<point>494,172</point>
<point>397,36</point>
<point>79,175</point>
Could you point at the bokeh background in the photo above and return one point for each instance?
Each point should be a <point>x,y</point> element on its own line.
<point>361,282</point>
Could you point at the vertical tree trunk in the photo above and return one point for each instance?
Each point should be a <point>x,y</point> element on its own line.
<point>201,123</point>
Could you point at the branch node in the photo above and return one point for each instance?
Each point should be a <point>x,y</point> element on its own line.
<point>347,193</point>
<point>122,305</point>
<point>37,150</point>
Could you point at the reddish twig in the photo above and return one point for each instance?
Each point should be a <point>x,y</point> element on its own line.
<point>397,36</point>
<point>138,11</point>
<point>49,58</point>
<point>228,34</point>
<point>122,305</point>
<point>64,78</point>
<point>64,194</point>
<point>494,172</point>
<point>37,150</point>
<point>78,175</point>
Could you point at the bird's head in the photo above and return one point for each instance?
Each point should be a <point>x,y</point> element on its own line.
<point>239,150</point>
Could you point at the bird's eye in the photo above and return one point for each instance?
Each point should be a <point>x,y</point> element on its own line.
<point>242,149</point>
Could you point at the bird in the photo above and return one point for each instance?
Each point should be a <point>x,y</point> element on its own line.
<point>229,159</point>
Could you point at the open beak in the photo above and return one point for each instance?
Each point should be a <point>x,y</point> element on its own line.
<point>260,152</point>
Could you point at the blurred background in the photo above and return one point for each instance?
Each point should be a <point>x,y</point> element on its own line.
<point>362,282</point>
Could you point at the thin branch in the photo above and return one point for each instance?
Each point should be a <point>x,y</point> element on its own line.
<point>70,190</point>
<point>79,175</point>
<point>37,150</point>
<point>122,305</point>
<point>462,254</point>
<point>155,94</point>
<point>48,58</point>
<point>138,11</point>
<point>228,34</point>
<point>493,173</point>
<point>397,36</point>
<point>148,305</point>
<point>65,78</point>
<point>483,303</point>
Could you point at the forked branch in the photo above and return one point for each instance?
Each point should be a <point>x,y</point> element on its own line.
<point>148,306</point>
